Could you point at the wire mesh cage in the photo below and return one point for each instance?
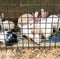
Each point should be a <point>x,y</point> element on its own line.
<point>29,23</point>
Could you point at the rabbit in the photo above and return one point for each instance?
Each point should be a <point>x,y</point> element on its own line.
<point>47,25</point>
<point>7,25</point>
<point>8,38</point>
<point>30,29</point>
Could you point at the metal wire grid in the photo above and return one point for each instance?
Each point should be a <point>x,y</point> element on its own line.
<point>24,6</point>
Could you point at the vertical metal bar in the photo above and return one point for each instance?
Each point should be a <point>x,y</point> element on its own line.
<point>7,17</point>
<point>27,11</point>
<point>0,10</point>
<point>34,23</point>
<point>51,24</point>
<point>54,12</point>
<point>13,17</point>
<point>21,10</point>
<point>40,18</point>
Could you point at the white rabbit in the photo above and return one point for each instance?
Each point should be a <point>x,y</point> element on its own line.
<point>47,25</point>
<point>29,29</point>
<point>7,25</point>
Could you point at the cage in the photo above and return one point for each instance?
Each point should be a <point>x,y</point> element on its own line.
<point>12,10</point>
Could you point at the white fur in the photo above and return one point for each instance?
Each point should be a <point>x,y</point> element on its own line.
<point>3,36</point>
<point>36,14</point>
<point>47,25</point>
<point>22,20</point>
<point>26,30</point>
<point>31,27</point>
<point>7,25</point>
<point>44,26</point>
<point>42,11</point>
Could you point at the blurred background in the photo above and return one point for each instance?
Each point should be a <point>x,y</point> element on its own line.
<point>14,8</point>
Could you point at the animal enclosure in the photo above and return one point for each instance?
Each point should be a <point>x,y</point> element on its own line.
<point>17,17</point>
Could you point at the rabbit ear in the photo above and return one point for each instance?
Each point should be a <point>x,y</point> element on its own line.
<point>1,15</point>
<point>44,14</point>
<point>36,14</point>
<point>42,11</point>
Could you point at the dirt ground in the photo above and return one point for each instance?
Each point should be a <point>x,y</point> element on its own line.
<point>52,53</point>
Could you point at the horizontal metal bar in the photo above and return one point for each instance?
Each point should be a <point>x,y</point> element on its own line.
<point>21,10</point>
<point>29,5</point>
